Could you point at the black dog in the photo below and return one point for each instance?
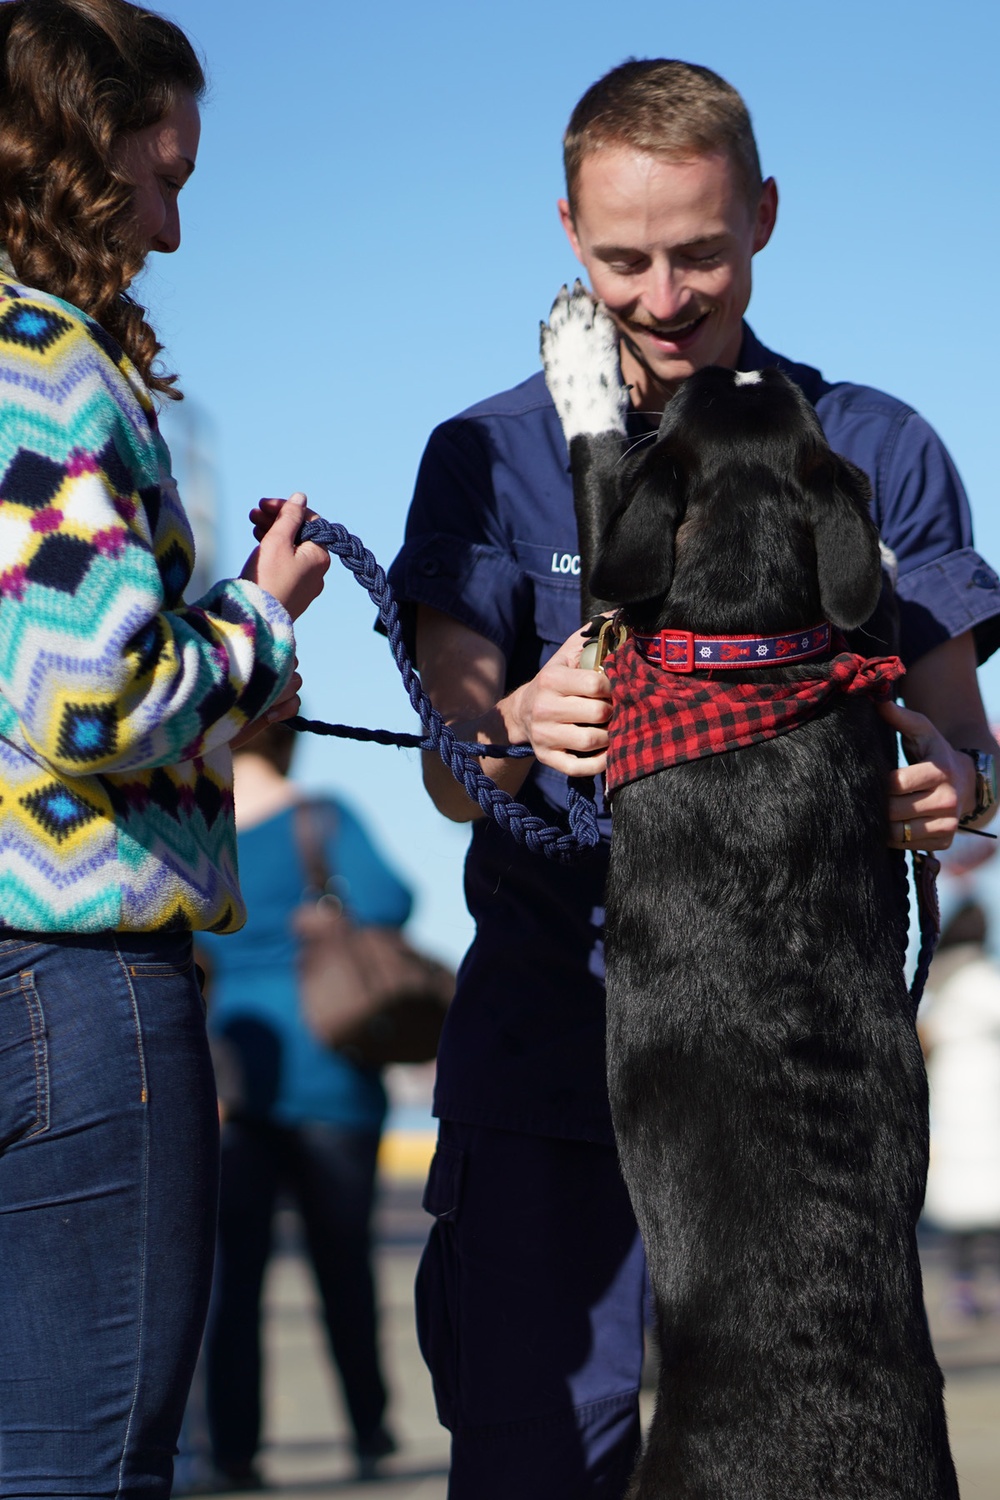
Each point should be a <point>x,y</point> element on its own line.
<point>766,1082</point>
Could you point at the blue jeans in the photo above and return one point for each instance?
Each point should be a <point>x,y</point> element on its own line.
<point>530,1313</point>
<point>108,1187</point>
<point>330,1174</point>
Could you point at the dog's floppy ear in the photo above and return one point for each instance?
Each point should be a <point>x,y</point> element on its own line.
<point>847,551</point>
<point>635,559</point>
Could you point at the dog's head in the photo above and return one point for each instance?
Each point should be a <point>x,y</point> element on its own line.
<point>740,516</point>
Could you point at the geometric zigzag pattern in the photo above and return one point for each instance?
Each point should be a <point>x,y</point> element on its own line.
<point>117,698</point>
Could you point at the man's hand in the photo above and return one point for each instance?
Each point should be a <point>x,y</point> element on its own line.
<point>464,674</point>
<point>563,713</point>
<point>943,712</point>
<point>292,574</point>
<point>934,790</point>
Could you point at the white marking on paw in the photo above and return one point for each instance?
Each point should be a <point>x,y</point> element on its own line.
<point>580,358</point>
<point>747,377</point>
<point>889,562</point>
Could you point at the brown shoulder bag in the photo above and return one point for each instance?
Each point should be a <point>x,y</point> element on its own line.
<point>364,991</point>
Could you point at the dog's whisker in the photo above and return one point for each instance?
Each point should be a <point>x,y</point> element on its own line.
<point>646,438</point>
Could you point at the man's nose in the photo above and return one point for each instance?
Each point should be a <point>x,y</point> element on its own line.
<point>664,293</point>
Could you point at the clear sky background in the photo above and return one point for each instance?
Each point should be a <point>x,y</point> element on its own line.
<point>371,239</point>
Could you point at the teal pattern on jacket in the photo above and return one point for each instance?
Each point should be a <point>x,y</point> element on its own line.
<point>117,699</point>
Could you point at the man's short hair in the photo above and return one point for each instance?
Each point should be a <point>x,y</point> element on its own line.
<point>666,108</point>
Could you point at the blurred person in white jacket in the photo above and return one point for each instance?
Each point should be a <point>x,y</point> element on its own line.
<point>960,1028</point>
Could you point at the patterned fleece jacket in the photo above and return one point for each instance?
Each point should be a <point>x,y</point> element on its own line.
<point>117,699</point>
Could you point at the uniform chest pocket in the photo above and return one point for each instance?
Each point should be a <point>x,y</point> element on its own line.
<point>24,1061</point>
<point>554,574</point>
<point>557,608</point>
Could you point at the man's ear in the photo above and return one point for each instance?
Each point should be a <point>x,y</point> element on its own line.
<point>766,214</point>
<point>566,220</point>
<point>848,562</point>
<point>635,560</point>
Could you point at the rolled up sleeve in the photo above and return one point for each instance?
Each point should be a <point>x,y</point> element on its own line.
<point>456,557</point>
<point>945,587</point>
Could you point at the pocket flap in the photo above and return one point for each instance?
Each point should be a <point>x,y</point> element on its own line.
<point>444,1182</point>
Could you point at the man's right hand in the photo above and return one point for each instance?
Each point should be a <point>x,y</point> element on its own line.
<point>563,713</point>
<point>561,710</point>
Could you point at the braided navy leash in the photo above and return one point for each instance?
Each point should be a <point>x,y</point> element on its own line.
<point>926,868</point>
<point>460,757</point>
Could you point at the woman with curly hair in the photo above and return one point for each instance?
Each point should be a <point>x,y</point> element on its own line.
<point>119,705</point>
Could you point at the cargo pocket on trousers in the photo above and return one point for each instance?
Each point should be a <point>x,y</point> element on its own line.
<point>24,1061</point>
<point>437,1287</point>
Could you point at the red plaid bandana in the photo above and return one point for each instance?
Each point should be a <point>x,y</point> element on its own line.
<point>660,719</point>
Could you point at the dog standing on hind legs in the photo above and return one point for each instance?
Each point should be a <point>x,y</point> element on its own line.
<point>766,1082</point>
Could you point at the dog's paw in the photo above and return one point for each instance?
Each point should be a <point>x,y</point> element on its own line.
<point>890,562</point>
<point>580,359</point>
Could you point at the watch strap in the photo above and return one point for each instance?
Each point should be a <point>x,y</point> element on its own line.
<point>986,783</point>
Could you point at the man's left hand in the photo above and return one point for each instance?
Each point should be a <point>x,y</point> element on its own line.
<point>929,795</point>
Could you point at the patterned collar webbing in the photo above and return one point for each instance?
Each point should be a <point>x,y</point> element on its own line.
<point>682,651</point>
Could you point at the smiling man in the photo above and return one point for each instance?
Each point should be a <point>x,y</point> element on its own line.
<point>530,1296</point>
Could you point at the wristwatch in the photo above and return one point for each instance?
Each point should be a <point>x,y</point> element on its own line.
<point>986,784</point>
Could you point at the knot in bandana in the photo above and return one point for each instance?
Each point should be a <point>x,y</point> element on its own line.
<point>660,719</point>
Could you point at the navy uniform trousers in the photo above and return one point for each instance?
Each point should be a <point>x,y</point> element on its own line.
<point>535,1374</point>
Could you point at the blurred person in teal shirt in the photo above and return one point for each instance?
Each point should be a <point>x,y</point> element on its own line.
<point>300,1119</point>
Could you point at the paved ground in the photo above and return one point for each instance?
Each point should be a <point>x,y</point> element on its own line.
<point>308,1456</point>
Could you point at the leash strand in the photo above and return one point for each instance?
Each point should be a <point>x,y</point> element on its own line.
<point>460,758</point>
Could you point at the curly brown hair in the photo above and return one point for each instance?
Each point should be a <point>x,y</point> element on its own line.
<point>76,76</point>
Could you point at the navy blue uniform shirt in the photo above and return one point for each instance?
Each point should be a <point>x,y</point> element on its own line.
<point>491,541</point>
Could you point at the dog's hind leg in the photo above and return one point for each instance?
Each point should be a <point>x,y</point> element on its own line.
<point>580,356</point>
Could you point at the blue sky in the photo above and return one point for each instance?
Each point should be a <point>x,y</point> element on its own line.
<point>371,239</point>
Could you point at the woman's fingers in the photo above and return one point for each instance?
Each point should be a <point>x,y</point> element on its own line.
<point>264,515</point>
<point>292,573</point>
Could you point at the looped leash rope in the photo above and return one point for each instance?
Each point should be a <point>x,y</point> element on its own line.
<point>460,757</point>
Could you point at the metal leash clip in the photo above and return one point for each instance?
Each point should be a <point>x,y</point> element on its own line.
<point>609,637</point>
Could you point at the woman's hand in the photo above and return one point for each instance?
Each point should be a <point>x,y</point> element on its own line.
<point>285,707</point>
<point>929,795</point>
<point>563,712</point>
<point>292,574</point>
<point>264,515</point>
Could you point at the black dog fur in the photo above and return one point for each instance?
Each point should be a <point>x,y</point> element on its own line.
<point>767,1087</point>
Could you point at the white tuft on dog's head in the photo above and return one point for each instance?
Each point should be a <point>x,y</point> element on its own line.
<point>747,377</point>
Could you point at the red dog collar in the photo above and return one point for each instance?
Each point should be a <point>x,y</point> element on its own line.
<point>681,651</point>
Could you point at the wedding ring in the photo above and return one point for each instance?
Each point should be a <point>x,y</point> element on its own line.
<point>907,834</point>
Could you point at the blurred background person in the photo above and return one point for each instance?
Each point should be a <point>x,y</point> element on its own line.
<point>960,1029</point>
<point>300,1118</point>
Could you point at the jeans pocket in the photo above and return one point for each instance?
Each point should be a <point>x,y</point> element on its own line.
<point>165,968</point>
<point>24,1061</point>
